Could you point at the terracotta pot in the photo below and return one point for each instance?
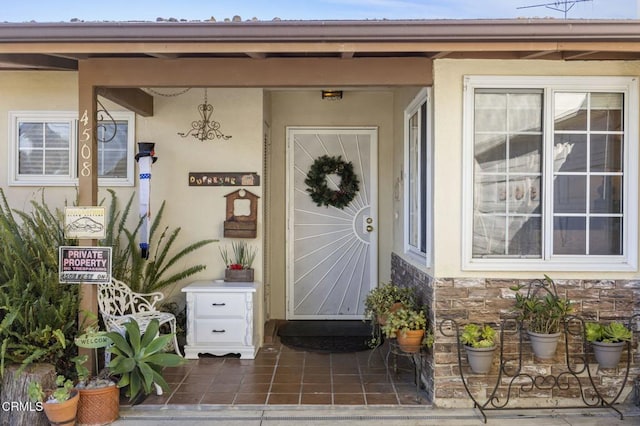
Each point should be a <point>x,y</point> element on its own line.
<point>410,340</point>
<point>99,406</point>
<point>63,413</point>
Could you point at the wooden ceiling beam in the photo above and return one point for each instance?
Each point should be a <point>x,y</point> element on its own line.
<point>270,72</point>
<point>39,62</point>
<point>135,100</point>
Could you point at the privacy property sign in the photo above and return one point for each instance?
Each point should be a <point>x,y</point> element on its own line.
<point>89,265</point>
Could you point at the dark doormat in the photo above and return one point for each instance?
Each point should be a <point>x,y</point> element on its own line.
<point>326,336</point>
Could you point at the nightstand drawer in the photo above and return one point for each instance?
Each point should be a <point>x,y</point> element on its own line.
<point>221,305</point>
<point>221,331</point>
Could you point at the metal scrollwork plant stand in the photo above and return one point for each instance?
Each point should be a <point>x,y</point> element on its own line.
<point>511,376</point>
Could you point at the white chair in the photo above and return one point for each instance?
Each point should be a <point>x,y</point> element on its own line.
<point>118,304</point>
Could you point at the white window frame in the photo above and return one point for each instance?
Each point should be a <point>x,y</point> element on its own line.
<point>415,253</point>
<point>626,85</point>
<point>71,179</point>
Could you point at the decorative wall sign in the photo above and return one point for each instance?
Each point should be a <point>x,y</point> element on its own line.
<point>224,179</point>
<point>241,225</point>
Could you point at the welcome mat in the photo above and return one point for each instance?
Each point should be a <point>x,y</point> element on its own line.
<point>326,336</point>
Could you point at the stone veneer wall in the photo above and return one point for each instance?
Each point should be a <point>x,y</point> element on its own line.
<point>406,275</point>
<point>490,300</point>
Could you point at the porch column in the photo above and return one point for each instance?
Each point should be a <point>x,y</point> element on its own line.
<point>87,187</point>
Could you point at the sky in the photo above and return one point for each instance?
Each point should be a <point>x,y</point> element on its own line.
<point>266,10</point>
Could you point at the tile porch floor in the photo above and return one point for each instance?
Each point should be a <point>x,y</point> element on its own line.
<point>280,375</point>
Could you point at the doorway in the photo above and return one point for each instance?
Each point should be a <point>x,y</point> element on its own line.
<point>331,250</point>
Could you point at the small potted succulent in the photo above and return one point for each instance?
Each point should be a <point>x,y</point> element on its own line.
<point>479,343</point>
<point>543,313</point>
<point>59,404</point>
<point>408,326</point>
<point>238,263</point>
<point>607,341</point>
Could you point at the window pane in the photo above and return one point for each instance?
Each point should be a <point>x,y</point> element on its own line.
<point>569,235</point>
<point>570,194</point>
<point>606,153</point>
<point>606,194</point>
<point>525,112</point>
<point>56,162</point>
<point>605,236</point>
<point>524,195</point>
<point>30,162</point>
<point>606,112</point>
<point>30,135</point>
<point>489,235</point>
<point>570,112</point>
<point>414,194</point>
<point>525,236</point>
<point>570,153</point>
<point>490,112</point>
<point>57,135</point>
<point>112,154</point>
<point>507,172</point>
<point>491,153</point>
<point>525,152</point>
<point>44,148</point>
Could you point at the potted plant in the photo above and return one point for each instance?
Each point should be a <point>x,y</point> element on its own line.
<point>408,326</point>
<point>479,343</point>
<point>543,312</point>
<point>386,298</point>
<point>607,341</point>
<point>238,263</point>
<point>99,402</point>
<point>59,404</point>
<point>139,359</point>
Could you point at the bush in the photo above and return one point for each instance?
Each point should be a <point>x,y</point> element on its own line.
<point>38,315</point>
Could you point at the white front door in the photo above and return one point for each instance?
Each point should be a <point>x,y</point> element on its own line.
<point>332,251</point>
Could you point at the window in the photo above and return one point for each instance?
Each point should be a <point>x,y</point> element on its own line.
<point>417,158</point>
<point>547,167</point>
<point>43,149</point>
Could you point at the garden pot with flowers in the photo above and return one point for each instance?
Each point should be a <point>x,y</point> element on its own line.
<point>238,262</point>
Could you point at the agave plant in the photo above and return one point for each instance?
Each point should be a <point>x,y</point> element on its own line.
<point>613,332</point>
<point>138,358</point>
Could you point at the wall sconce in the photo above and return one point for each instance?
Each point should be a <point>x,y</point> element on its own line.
<point>332,95</point>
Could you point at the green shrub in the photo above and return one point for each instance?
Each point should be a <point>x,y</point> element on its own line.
<point>38,315</point>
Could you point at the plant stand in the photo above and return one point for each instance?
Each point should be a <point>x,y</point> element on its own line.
<point>511,375</point>
<point>415,357</point>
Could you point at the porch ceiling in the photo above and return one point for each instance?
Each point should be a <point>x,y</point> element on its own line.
<point>60,46</point>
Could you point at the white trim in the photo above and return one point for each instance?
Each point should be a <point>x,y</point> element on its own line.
<point>71,179</point>
<point>414,253</point>
<point>548,262</point>
<point>38,180</point>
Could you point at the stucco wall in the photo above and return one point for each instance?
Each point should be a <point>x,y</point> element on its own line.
<point>199,211</point>
<point>306,108</point>
<point>448,119</point>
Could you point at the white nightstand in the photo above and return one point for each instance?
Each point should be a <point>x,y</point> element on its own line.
<point>223,317</point>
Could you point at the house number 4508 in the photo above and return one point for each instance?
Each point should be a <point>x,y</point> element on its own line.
<point>85,150</point>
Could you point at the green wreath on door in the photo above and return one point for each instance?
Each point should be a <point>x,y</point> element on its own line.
<point>318,189</point>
